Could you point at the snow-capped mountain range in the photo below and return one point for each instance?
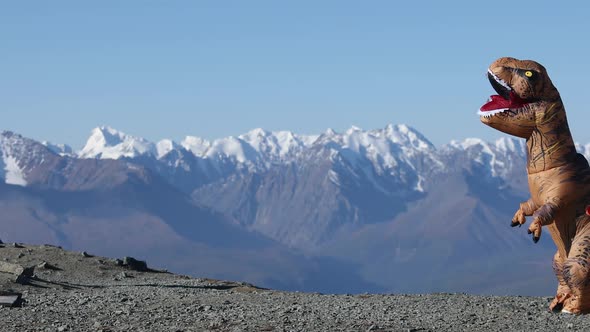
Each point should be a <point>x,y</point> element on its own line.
<point>256,147</point>
<point>239,176</point>
<point>384,200</point>
<point>259,149</point>
<point>395,153</point>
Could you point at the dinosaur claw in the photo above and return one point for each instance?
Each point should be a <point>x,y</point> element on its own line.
<point>557,308</point>
<point>514,224</point>
<point>529,231</point>
<point>536,239</point>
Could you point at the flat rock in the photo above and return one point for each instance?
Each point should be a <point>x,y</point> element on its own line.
<point>10,299</point>
<point>20,272</point>
<point>135,264</point>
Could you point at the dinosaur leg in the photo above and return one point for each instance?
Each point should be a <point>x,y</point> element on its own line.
<point>526,209</point>
<point>563,290</point>
<point>543,216</point>
<point>576,274</point>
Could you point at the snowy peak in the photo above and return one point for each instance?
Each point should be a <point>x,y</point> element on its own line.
<point>407,136</point>
<point>233,148</point>
<point>330,132</point>
<point>352,130</point>
<point>60,149</point>
<point>10,171</point>
<point>503,145</point>
<point>255,134</point>
<point>385,148</point>
<point>18,156</point>
<point>108,143</point>
<point>164,147</point>
<point>256,149</point>
<point>471,143</point>
<point>511,145</point>
<point>401,135</point>
<point>390,158</point>
<point>276,146</point>
<point>196,145</point>
<point>498,157</point>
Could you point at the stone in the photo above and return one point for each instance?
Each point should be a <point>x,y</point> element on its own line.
<point>135,264</point>
<point>22,273</point>
<point>47,245</point>
<point>10,299</point>
<point>47,266</point>
<point>123,275</point>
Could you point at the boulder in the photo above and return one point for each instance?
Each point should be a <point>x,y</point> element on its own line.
<point>21,273</point>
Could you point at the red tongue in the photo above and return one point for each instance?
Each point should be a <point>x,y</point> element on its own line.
<point>499,103</point>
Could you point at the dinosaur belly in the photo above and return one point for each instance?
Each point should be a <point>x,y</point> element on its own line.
<point>566,188</point>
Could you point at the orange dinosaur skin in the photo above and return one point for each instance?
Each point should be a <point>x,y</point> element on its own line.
<point>558,177</point>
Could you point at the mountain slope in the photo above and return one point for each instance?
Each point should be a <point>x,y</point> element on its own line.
<point>452,241</point>
<point>117,208</point>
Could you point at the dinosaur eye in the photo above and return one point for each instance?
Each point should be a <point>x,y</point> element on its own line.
<point>528,73</point>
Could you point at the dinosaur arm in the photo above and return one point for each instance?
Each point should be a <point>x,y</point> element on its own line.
<point>543,216</point>
<point>526,209</point>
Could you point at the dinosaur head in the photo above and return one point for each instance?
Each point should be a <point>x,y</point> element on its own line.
<point>524,93</point>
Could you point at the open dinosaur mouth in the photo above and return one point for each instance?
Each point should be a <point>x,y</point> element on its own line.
<point>505,99</point>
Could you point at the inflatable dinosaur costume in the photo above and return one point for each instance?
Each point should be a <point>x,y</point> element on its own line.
<point>529,106</point>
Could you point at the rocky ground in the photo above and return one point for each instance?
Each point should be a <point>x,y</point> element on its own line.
<point>70,291</point>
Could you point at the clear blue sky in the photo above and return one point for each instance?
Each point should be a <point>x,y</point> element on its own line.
<point>166,69</point>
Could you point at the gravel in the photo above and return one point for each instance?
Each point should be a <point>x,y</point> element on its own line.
<point>91,293</point>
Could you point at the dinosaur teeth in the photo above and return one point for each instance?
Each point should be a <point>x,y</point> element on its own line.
<point>499,80</point>
<point>488,114</point>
